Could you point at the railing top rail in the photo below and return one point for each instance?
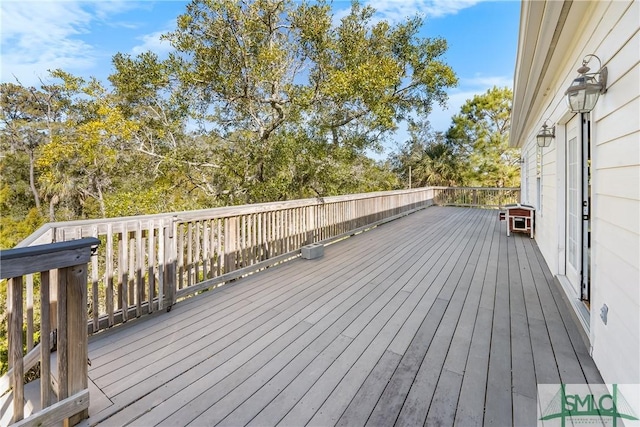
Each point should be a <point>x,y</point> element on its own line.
<point>220,212</point>
<point>477,188</point>
<point>45,234</point>
<point>52,255</point>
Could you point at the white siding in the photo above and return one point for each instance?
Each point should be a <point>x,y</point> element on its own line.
<point>547,220</point>
<point>616,210</point>
<point>610,30</point>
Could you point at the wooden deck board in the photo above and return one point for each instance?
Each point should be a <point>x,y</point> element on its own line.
<point>498,407</point>
<point>442,410</point>
<point>414,410</point>
<point>206,398</point>
<point>376,316</point>
<point>393,397</point>
<point>435,318</point>
<point>332,409</point>
<point>368,394</point>
<point>164,373</point>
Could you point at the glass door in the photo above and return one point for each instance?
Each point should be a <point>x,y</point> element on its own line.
<point>574,204</point>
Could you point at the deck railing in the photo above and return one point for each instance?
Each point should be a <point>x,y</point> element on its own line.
<point>146,263</point>
<point>60,269</point>
<point>476,196</point>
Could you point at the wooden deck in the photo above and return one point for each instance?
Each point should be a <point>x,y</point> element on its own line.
<point>437,319</point>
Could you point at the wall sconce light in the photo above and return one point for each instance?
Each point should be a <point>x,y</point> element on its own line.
<point>585,89</point>
<point>546,135</point>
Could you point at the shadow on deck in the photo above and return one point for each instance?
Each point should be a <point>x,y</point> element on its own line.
<point>435,318</point>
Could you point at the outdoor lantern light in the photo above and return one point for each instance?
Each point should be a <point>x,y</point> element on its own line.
<point>585,89</point>
<point>546,135</point>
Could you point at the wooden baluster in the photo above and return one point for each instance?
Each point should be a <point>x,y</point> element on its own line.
<point>45,341</point>
<point>161,265</point>
<point>242,242</point>
<point>274,236</point>
<point>131,284</point>
<point>288,232</point>
<point>181,255</point>
<point>15,346</point>
<point>151,264</point>
<point>123,271</point>
<point>205,250</point>
<point>198,252</point>
<point>232,238</point>
<point>190,254</point>
<point>139,267</point>
<point>247,241</point>
<point>298,226</point>
<point>108,275</point>
<point>213,248</point>
<point>219,246</point>
<point>30,329</point>
<point>62,344</point>
<point>170,264</point>
<point>258,248</point>
<point>282,225</point>
<point>255,257</point>
<point>95,282</point>
<point>234,242</point>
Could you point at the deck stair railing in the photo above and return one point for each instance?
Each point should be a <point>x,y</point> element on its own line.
<point>60,270</point>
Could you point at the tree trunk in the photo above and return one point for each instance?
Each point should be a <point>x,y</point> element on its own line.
<point>32,180</point>
<point>52,204</point>
<point>103,210</point>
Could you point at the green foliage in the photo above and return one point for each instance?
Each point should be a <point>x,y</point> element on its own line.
<point>291,102</point>
<point>481,131</point>
<point>431,159</point>
<point>14,230</point>
<point>474,151</point>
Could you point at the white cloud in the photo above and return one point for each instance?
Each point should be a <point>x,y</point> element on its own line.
<point>153,42</point>
<point>395,11</point>
<point>487,81</point>
<point>40,36</point>
<point>107,8</point>
<point>44,35</point>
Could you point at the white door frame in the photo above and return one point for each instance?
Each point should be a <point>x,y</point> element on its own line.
<point>573,126</point>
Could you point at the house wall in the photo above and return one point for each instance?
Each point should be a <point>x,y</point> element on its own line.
<point>610,30</point>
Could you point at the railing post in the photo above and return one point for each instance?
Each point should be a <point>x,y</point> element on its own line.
<point>170,257</point>
<point>77,342</point>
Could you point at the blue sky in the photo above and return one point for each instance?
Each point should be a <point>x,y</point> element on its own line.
<point>82,36</point>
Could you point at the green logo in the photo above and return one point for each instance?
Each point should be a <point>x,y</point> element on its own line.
<point>586,405</point>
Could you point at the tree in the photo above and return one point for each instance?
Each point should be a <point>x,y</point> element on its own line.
<point>30,118</point>
<point>481,132</point>
<point>23,120</point>
<point>82,162</point>
<point>432,159</point>
<point>273,82</point>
